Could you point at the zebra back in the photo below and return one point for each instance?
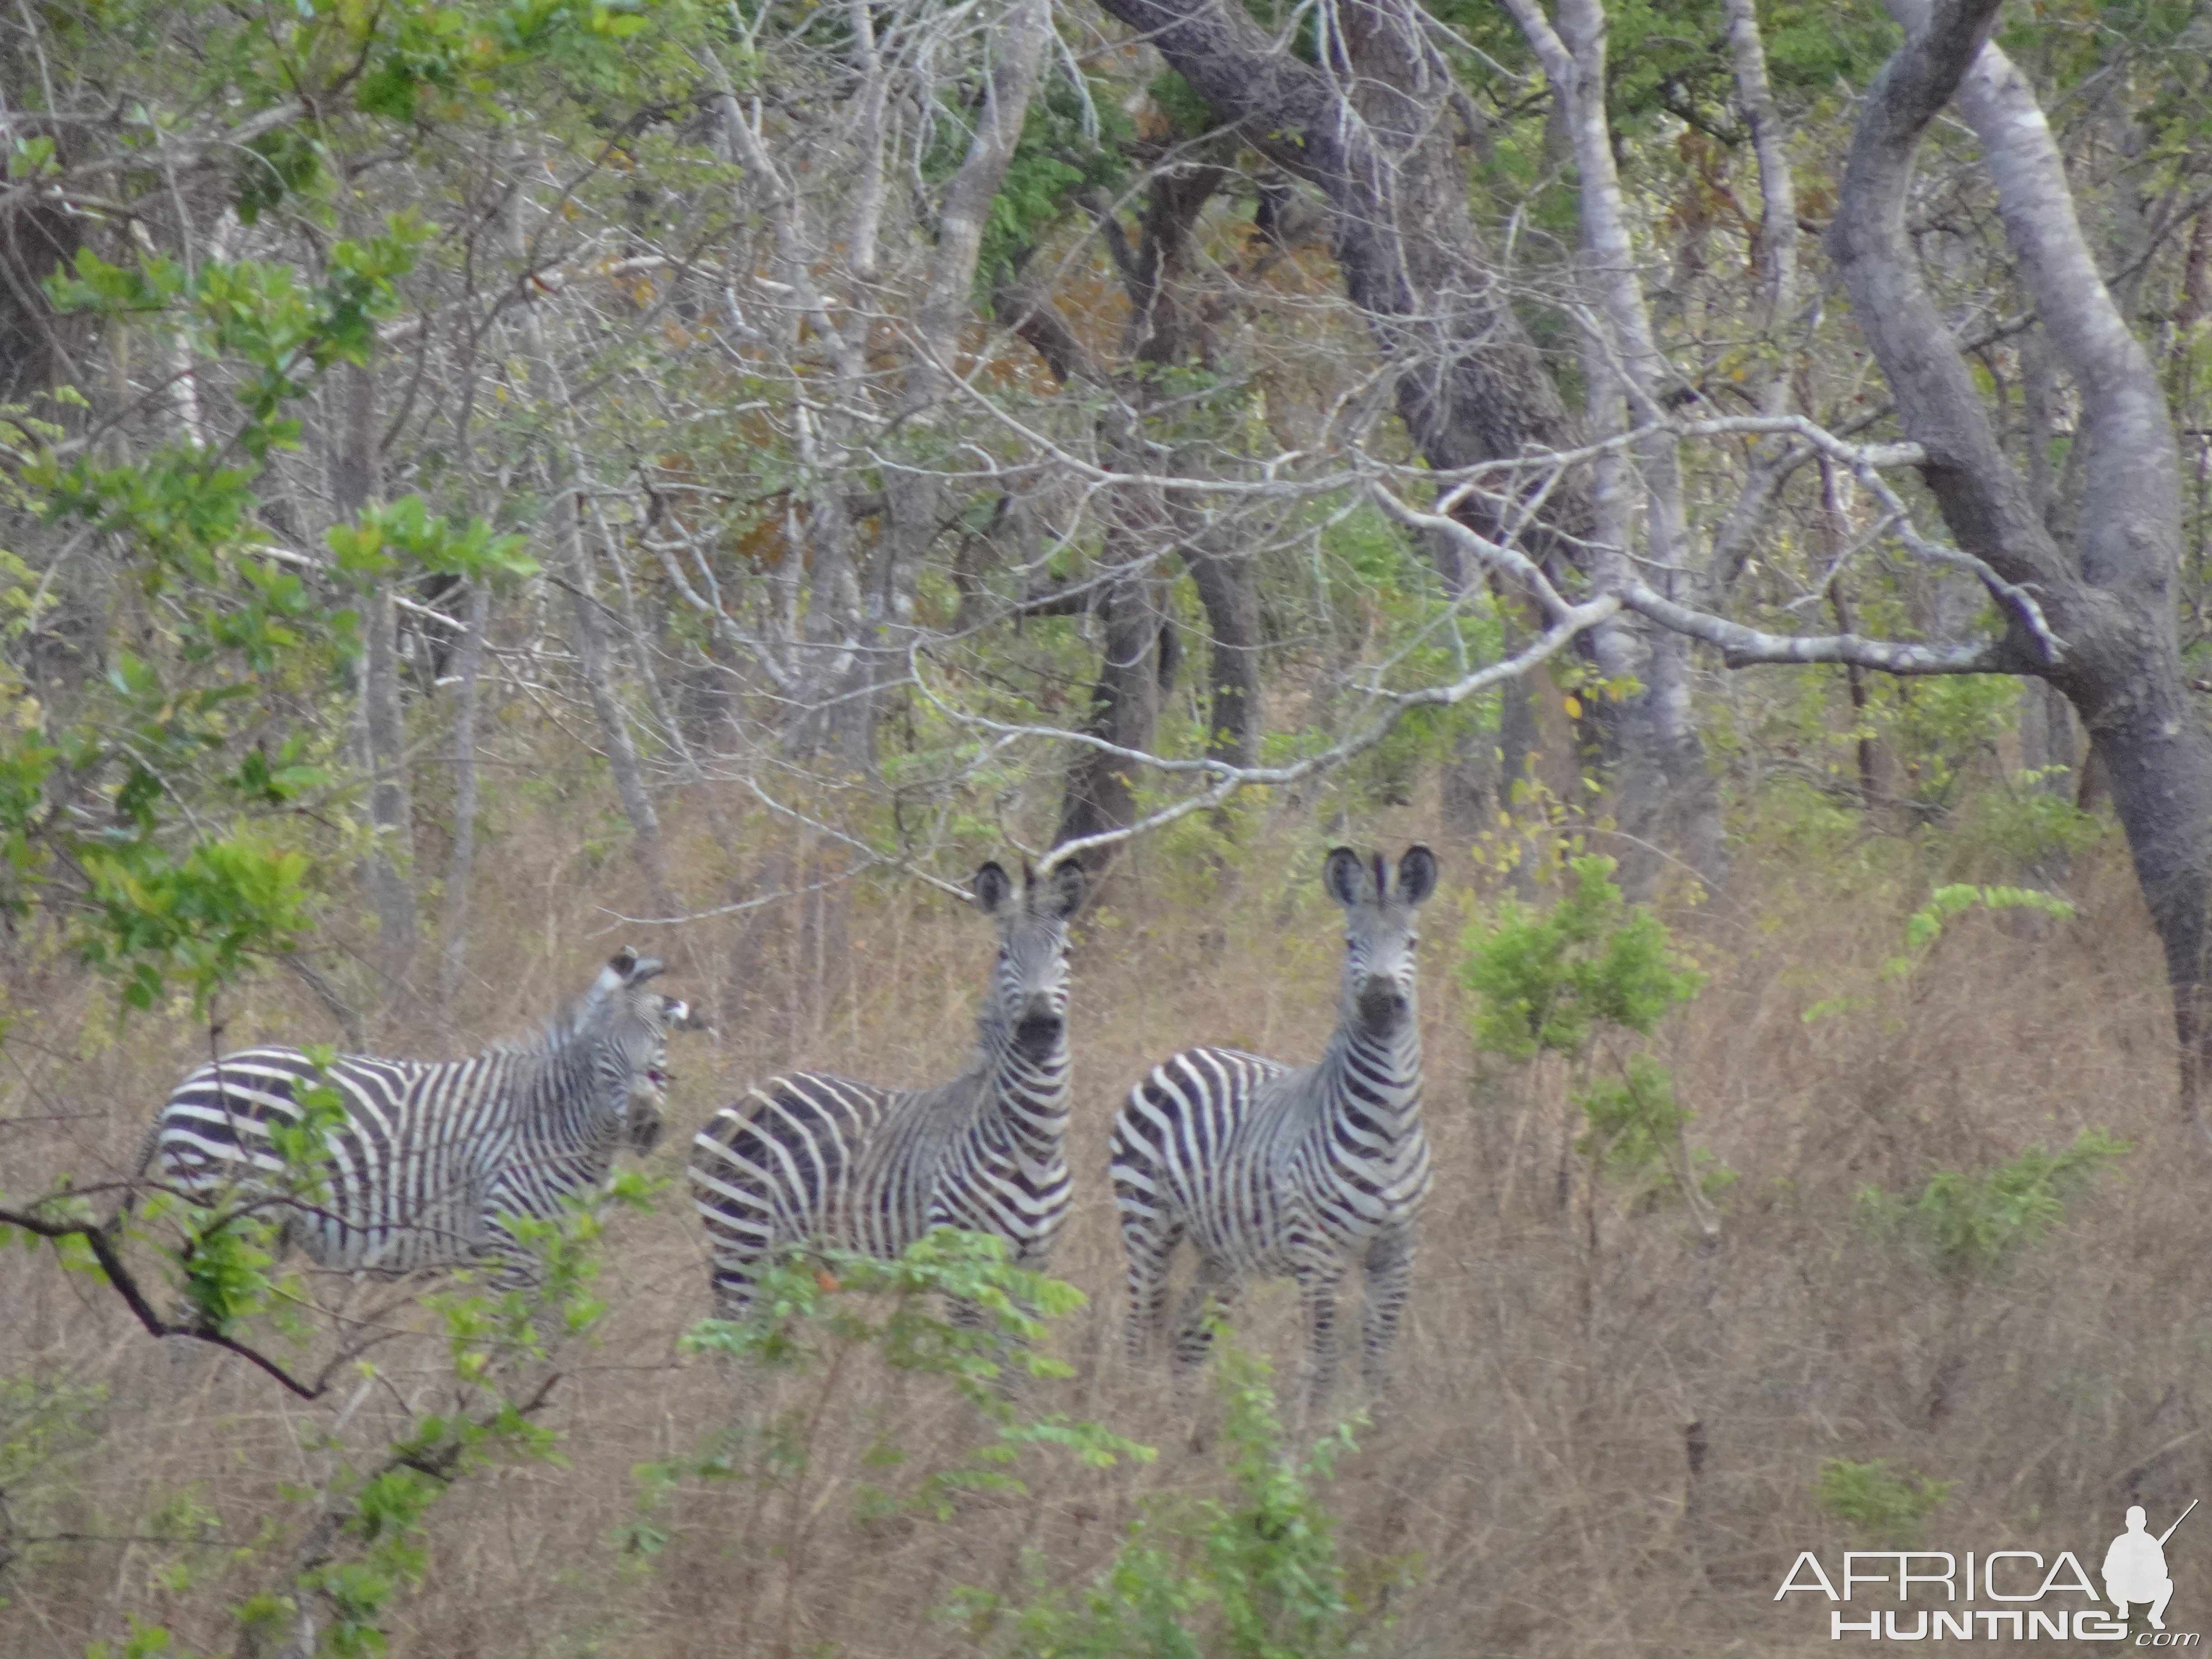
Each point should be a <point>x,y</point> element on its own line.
<point>815,1156</point>
<point>398,1190</point>
<point>428,1157</point>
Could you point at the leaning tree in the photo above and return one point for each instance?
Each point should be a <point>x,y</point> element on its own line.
<point>2097,620</point>
<point>1366,122</point>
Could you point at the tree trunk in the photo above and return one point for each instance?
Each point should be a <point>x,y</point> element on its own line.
<point>381,728</point>
<point>452,954</point>
<point>1371,128</point>
<point>561,468</point>
<point>915,493</point>
<point>2112,603</point>
<point>1125,707</point>
<point>1666,799</point>
<point>1134,655</point>
<point>579,571</point>
<point>1138,654</point>
<point>1228,588</point>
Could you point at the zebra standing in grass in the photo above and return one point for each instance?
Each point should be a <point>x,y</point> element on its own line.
<point>811,1157</point>
<point>1271,1171</point>
<point>434,1156</point>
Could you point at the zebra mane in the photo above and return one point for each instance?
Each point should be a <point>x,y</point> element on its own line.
<point>590,1015</point>
<point>946,1105</point>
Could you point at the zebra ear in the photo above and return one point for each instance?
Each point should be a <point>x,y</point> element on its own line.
<point>642,968</point>
<point>680,1016</point>
<point>993,890</point>
<point>622,962</point>
<point>1067,885</point>
<point>1347,878</point>
<point>1417,876</point>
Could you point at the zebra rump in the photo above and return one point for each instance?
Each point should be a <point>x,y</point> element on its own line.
<point>433,1156</point>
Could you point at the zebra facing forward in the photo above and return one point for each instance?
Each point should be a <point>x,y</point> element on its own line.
<point>1272,1171</point>
<point>811,1157</point>
<point>435,1157</point>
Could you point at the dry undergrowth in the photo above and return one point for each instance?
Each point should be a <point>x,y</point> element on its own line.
<point>1619,1444</point>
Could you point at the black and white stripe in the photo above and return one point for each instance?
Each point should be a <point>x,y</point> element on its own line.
<point>1271,1171</point>
<point>433,1156</point>
<point>812,1158</point>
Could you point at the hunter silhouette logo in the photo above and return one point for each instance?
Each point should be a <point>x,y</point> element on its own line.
<point>2134,1568</point>
<point>2000,1595</point>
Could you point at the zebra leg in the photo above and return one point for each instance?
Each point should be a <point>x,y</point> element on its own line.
<point>1211,1298</point>
<point>514,1264</point>
<point>1150,1250</point>
<point>1319,1278</point>
<point>733,1292</point>
<point>733,1268</point>
<point>1389,1269</point>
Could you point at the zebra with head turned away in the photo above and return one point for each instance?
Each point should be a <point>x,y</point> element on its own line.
<point>813,1157</point>
<point>1269,1170</point>
<point>434,1157</point>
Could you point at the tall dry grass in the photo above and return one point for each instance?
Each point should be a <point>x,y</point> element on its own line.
<point>1614,1442</point>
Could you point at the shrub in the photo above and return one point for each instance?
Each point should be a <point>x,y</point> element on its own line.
<point>1887,1506</point>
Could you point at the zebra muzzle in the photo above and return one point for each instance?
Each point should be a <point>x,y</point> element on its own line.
<point>1381,1005</point>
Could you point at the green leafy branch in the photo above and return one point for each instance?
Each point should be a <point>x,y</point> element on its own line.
<point>1972,1221</point>
<point>1561,982</point>
<point>1260,1575</point>
<point>1924,927</point>
<point>815,1307</point>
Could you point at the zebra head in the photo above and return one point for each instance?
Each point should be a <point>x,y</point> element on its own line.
<point>1029,986</point>
<point>1379,932</point>
<point>632,1040</point>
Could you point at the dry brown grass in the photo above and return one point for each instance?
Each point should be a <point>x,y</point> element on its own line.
<point>1536,1477</point>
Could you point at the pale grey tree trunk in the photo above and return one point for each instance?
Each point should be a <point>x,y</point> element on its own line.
<point>380,732</point>
<point>1775,248</point>
<point>460,867</point>
<point>562,469</point>
<point>2111,600</point>
<point>1776,238</point>
<point>579,575</point>
<point>914,491</point>
<point>1666,800</point>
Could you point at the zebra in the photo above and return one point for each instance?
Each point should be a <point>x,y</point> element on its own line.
<point>435,1159</point>
<point>1270,1170</point>
<point>810,1157</point>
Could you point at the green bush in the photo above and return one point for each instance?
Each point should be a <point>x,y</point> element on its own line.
<point>1974,1221</point>
<point>1593,968</point>
<point>1549,982</point>
<point>1258,1574</point>
<point>953,1307</point>
<point>1886,1506</point>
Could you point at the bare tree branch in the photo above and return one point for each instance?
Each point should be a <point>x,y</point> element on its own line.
<point>126,1285</point>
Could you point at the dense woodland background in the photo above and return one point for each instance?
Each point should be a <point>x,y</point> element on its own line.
<point>481,485</point>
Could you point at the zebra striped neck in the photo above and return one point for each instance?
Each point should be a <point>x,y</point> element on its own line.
<point>560,1081</point>
<point>1379,1077</point>
<point>1026,1089</point>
